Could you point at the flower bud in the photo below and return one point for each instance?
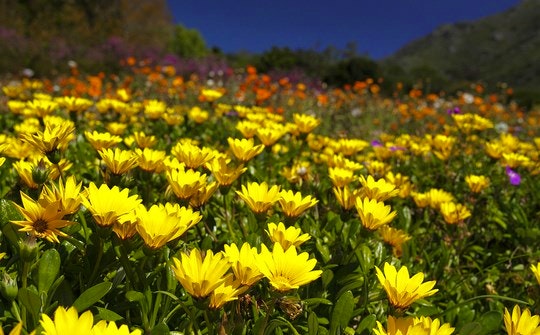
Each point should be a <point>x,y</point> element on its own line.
<point>8,287</point>
<point>28,249</point>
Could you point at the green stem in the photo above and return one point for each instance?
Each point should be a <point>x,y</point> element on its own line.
<point>267,317</point>
<point>226,205</point>
<point>209,324</point>
<point>24,284</point>
<point>486,296</point>
<point>97,263</point>
<point>155,310</point>
<point>121,253</point>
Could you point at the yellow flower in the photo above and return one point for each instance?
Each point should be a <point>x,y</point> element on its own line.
<point>244,149</point>
<point>224,174</point>
<point>477,183</point>
<point>109,328</point>
<point>373,213</point>
<point>258,196</point>
<point>42,107</point>
<point>200,275</point>
<point>286,237</point>
<point>68,193</point>
<point>211,94</point>
<point>247,128</point>
<point>41,219</point>
<point>340,177</point>
<point>395,326</point>
<point>67,321</point>
<point>413,326</point>
<point>150,160</point>
<point>394,237</point>
<point>287,270</point>
<point>192,155</point>
<point>293,204</point>
<point>269,135</point>
<point>379,190</point>
<point>345,197</point>
<point>101,141</point>
<point>536,271</point>
<point>185,183</point>
<point>402,290</point>
<point>153,109</point>
<point>198,115</point>
<point>521,323</point>
<point>118,161</point>
<point>109,205</point>
<point>421,199</point>
<point>454,213</point>
<point>203,195</point>
<point>402,183</point>
<point>24,170</point>
<point>229,290</point>
<point>163,223</point>
<point>438,196</point>
<point>54,137</point>
<point>306,123</point>
<point>143,140</point>
<point>243,263</point>
<point>17,330</point>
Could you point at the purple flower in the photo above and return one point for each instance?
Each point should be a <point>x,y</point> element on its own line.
<point>454,110</point>
<point>513,176</point>
<point>376,143</point>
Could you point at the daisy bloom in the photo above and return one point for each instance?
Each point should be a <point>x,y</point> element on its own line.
<point>100,141</point>
<point>306,123</point>
<point>41,219</point>
<point>109,205</point>
<point>293,204</point>
<point>454,213</point>
<point>109,328</point>
<point>373,213</point>
<point>200,274</point>
<point>243,263</point>
<point>402,290</point>
<point>286,237</point>
<point>380,190</point>
<point>258,196</point>
<point>519,323</point>
<point>286,269</point>
<point>67,321</point>
<point>477,183</point>
<point>229,290</point>
<point>119,161</point>
<point>244,149</point>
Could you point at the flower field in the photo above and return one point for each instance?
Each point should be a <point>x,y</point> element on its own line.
<point>151,203</point>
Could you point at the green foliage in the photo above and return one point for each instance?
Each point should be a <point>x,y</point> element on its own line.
<point>188,43</point>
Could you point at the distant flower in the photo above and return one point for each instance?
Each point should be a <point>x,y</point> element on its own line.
<point>513,176</point>
<point>244,149</point>
<point>109,205</point>
<point>453,212</point>
<point>477,183</point>
<point>519,323</point>
<point>455,110</point>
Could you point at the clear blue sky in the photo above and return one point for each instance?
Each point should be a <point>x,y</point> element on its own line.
<point>378,27</point>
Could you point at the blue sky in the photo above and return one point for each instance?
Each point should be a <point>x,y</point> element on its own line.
<point>378,28</point>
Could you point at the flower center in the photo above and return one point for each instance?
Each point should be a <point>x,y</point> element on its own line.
<point>40,226</point>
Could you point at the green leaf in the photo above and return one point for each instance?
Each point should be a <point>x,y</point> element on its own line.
<point>342,312</point>
<point>134,296</point>
<point>31,301</point>
<point>491,321</point>
<point>160,329</point>
<point>473,328</point>
<point>367,324</point>
<point>313,324</point>
<point>316,301</point>
<point>49,266</point>
<point>108,315</point>
<point>91,296</point>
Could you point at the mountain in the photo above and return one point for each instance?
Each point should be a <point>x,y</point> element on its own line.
<point>504,47</point>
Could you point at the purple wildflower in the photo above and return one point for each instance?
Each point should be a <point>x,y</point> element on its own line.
<point>454,110</point>
<point>513,176</point>
<point>376,143</point>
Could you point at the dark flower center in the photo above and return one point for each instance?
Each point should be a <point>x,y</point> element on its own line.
<point>40,226</point>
